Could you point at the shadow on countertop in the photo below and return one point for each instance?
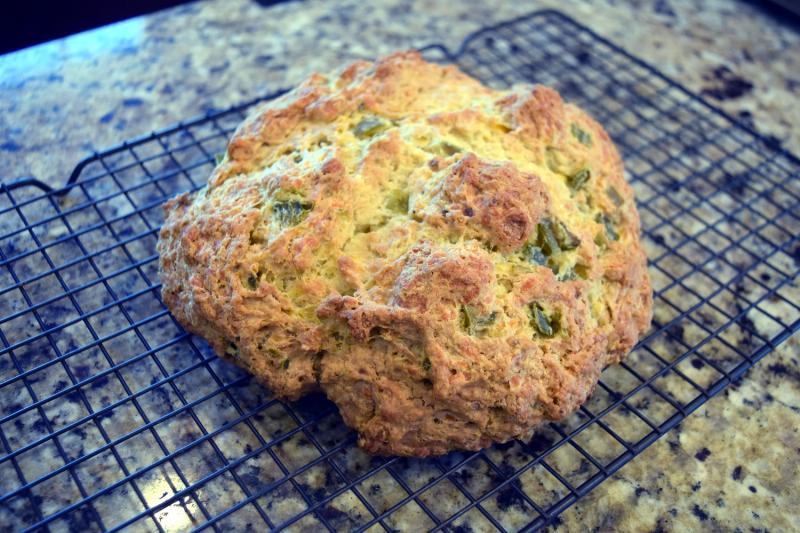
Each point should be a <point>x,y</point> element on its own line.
<point>786,12</point>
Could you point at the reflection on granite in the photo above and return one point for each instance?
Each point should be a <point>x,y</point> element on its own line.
<point>733,464</point>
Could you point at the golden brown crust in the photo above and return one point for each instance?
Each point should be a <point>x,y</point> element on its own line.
<point>452,265</point>
<point>497,202</point>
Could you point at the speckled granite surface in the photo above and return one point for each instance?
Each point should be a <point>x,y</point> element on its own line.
<point>733,464</point>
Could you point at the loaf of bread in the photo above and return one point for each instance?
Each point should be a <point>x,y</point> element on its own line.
<point>451,264</point>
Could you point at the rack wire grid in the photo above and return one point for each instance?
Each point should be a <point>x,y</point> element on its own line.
<point>114,417</point>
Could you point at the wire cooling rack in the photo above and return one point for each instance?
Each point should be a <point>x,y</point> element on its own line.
<point>113,417</point>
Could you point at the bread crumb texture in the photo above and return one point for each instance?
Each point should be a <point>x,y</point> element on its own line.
<point>451,264</point>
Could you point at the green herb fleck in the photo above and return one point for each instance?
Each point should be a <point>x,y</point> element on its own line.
<point>426,364</point>
<point>609,225</point>
<point>218,158</point>
<point>533,254</point>
<point>582,135</point>
<point>547,238</point>
<point>541,323</point>
<point>570,273</point>
<point>252,282</point>
<point>614,196</point>
<point>290,213</point>
<point>554,236</point>
<point>577,180</point>
<point>566,239</point>
<point>567,274</point>
<point>369,127</point>
<point>285,364</point>
<point>465,319</point>
<point>474,324</point>
<point>482,323</point>
<point>582,270</point>
<point>232,350</point>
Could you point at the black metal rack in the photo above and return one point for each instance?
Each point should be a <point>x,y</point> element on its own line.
<point>112,416</point>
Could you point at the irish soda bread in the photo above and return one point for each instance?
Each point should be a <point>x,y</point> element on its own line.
<point>451,264</point>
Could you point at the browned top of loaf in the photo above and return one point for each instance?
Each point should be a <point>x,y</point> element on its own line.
<point>451,264</point>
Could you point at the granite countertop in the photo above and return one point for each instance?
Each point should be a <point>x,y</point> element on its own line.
<point>734,463</point>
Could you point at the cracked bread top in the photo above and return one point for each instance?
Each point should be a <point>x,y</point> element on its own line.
<point>451,264</point>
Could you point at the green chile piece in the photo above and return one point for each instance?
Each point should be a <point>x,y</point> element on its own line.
<point>568,274</point>
<point>582,135</point>
<point>566,239</point>
<point>611,231</point>
<point>577,180</point>
<point>533,254</point>
<point>290,213</point>
<point>547,238</point>
<point>474,324</point>
<point>553,236</point>
<point>614,195</point>
<point>369,127</point>
<point>541,322</point>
